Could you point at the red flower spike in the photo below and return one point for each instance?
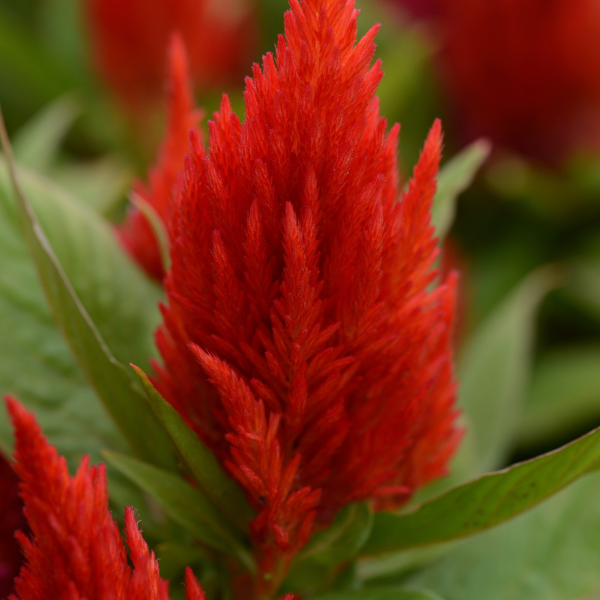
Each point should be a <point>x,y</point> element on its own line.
<point>136,233</point>
<point>193,591</point>
<point>75,551</point>
<point>129,40</point>
<point>299,290</point>
<point>521,72</point>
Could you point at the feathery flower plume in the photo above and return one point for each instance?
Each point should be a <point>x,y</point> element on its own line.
<point>301,340</point>
<point>522,72</point>
<point>137,234</point>
<point>129,40</point>
<point>75,551</point>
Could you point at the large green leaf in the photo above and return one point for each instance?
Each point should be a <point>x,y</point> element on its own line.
<point>186,505</point>
<point>487,501</point>
<point>343,539</point>
<point>380,593</point>
<point>38,368</point>
<point>120,300</point>
<point>109,378</point>
<point>564,395</point>
<point>549,553</point>
<point>493,374</point>
<point>454,178</point>
<point>200,461</point>
<point>37,365</point>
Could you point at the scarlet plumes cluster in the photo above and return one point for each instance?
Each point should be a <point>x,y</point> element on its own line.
<point>129,40</point>
<point>75,550</point>
<point>137,234</point>
<point>299,290</point>
<point>523,72</point>
<point>11,520</point>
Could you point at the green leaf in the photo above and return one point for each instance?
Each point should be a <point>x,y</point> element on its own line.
<point>37,143</point>
<point>487,501</point>
<point>119,299</point>
<point>201,462</point>
<point>109,378</point>
<point>493,373</point>
<point>37,365</point>
<point>549,553</point>
<point>564,395</point>
<point>39,369</point>
<point>381,593</point>
<point>343,539</point>
<point>454,178</point>
<point>186,505</point>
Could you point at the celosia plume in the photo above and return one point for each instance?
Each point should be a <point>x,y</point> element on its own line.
<point>137,234</point>
<point>129,42</point>
<point>301,340</point>
<point>75,551</point>
<point>523,72</point>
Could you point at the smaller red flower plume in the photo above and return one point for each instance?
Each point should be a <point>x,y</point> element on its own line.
<point>301,340</point>
<point>137,234</point>
<point>129,40</point>
<point>75,551</point>
<point>523,72</point>
<point>11,520</point>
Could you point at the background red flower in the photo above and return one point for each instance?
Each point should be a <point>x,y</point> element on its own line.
<point>129,42</point>
<point>523,72</point>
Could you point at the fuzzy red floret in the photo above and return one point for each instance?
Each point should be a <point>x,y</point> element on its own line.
<point>75,551</point>
<point>299,289</point>
<point>522,72</point>
<point>137,234</point>
<point>129,41</point>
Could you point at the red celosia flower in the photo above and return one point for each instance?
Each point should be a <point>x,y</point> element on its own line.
<point>129,40</point>
<point>75,551</point>
<point>137,234</point>
<point>300,275</point>
<point>11,520</point>
<point>523,72</point>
